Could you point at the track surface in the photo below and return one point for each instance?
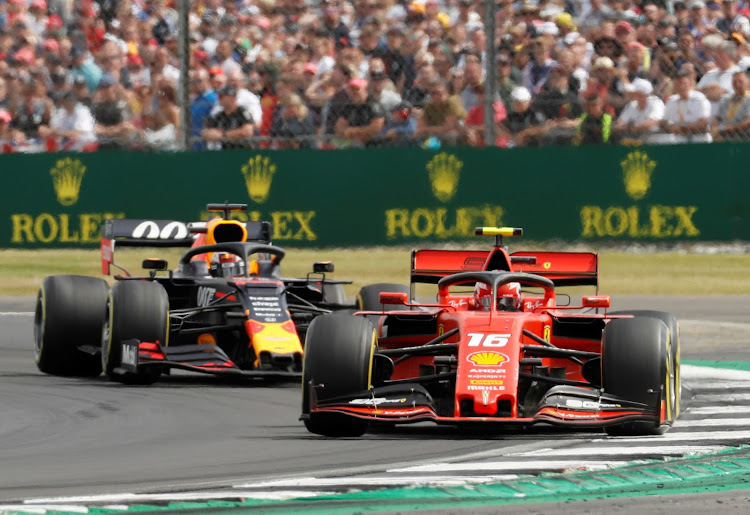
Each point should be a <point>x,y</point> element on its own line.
<point>65,437</point>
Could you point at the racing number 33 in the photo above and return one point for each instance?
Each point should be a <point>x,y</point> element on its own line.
<point>487,340</point>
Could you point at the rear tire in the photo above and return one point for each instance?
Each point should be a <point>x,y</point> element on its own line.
<point>69,314</point>
<point>135,310</point>
<point>339,350</point>
<point>636,366</point>
<point>674,347</point>
<point>368,298</point>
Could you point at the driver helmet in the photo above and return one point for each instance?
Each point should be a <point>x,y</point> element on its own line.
<point>229,265</point>
<point>508,296</point>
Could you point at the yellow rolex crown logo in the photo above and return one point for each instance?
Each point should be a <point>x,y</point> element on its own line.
<point>444,170</point>
<point>258,172</point>
<point>637,169</point>
<point>67,175</point>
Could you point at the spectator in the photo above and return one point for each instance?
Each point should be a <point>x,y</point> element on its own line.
<point>473,74</point>
<point>32,110</point>
<point>558,106</point>
<point>718,82</point>
<point>113,127</point>
<point>686,113</point>
<point>383,91</point>
<point>475,125</point>
<point>72,125</point>
<point>605,83</point>
<point>640,119</point>
<point>522,125</point>
<point>232,126</point>
<point>9,135</point>
<point>203,100</point>
<point>161,120</point>
<point>595,124</point>
<point>732,20</point>
<point>732,119</point>
<point>362,119</point>
<point>401,127</point>
<point>245,98</point>
<point>443,116</point>
<point>536,71</point>
<point>296,125</point>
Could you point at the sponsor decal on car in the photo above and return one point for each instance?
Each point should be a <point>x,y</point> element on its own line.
<point>377,400</point>
<point>575,403</point>
<point>488,359</point>
<point>485,381</point>
<point>129,354</point>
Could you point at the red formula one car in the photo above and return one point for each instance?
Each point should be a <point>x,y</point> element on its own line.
<point>496,347</point>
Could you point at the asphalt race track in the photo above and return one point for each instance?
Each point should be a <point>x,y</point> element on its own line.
<point>68,437</point>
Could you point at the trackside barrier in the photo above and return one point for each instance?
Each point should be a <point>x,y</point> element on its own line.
<point>389,196</point>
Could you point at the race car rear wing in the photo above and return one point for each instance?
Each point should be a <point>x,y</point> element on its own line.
<point>166,233</point>
<point>563,268</point>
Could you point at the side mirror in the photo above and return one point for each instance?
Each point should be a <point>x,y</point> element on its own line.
<point>596,301</point>
<point>154,264</point>
<point>322,267</point>
<point>394,298</point>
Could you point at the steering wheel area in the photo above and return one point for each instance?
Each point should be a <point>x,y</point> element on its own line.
<point>495,279</point>
<point>238,248</point>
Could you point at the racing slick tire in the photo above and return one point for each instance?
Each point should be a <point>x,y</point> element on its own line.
<point>636,365</point>
<point>68,318</point>
<point>135,310</point>
<point>368,298</point>
<point>674,335</point>
<point>339,350</point>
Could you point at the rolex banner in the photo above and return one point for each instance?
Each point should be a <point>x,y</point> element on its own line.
<point>389,196</point>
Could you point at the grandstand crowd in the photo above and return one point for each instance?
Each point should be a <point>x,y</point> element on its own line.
<point>91,74</point>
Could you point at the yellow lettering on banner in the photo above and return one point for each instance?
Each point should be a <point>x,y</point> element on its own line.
<point>45,228</point>
<point>425,222</point>
<point>22,229</point>
<point>279,220</point>
<point>62,228</point>
<point>305,231</point>
<point>658,221</point>
<point>65,236</point>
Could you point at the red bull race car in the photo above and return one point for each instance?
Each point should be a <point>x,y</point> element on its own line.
<point>225,309</point>
<point>501,345</point>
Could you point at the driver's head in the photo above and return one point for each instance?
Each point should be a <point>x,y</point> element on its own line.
<point>229,265</point>
<point>509,296</point>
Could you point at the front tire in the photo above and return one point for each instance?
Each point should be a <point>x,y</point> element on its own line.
<point>339,350</point>
<point>135,310</point>
<point>636,366</point>
<point>69,316</point>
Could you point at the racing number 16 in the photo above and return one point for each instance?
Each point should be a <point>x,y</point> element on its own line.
<point>487,340</point>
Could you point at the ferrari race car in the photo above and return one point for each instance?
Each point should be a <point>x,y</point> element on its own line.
<point>496,347</point>
<point>224,310</point>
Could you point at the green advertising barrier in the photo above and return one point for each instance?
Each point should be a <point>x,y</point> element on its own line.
<point>389,196</point>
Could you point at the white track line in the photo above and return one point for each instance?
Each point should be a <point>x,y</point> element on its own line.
<point>508,466</point>
<point>410,480</point>
<point>661,450</point>
<point>717,410</point>
<point>717,422</point>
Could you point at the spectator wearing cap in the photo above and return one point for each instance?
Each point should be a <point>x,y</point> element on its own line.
<point>597,13</point>
<point>443,116</point>
<point>732,119</point>
<point>138,73</point>
<point>536,71</point>
<point>401,127</point>
<point>203,98</point>
<point>361,119</point>
<point>595,124</point>
<point>245,98</point>
<point>640,118</point>
<point>686,113</point>
<point>393,57</point>
<point>81,64</point>
<point>475,124</point>
<point>114,127</point>
<point>717,82</point>
<point>522,125</point>
<point>72,125</point>
<point>296,127</point>
<point>605,82</point>
<point>382,89</point>
<point>231,127</point>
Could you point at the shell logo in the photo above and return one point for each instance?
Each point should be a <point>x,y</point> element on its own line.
<point>487,358</point>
